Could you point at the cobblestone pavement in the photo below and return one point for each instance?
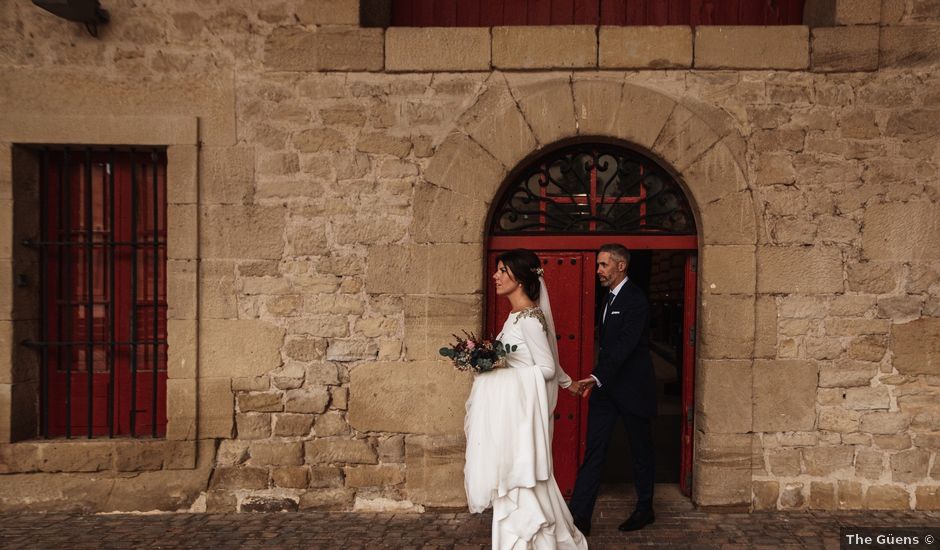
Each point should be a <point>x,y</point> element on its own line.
<point>678,525</point>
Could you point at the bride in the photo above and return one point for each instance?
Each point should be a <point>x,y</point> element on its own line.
<point>509,420</point>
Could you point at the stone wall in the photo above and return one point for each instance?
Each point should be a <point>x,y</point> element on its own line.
<point>344,177</point>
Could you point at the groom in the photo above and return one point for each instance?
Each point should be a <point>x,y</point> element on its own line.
<point>622,385</point>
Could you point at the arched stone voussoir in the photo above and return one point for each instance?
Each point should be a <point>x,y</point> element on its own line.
<point>723,124</point>
<point>593,98</point>
<point>496,123</point>
<point>464,166</point>
<point>641,114</point>
<point>547,103</point>
<point>714,175</point>
<point>729,220</point>
<point>684,138</point>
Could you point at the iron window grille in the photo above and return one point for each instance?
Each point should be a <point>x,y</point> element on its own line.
<point>593,188</point>
<point>102,265</point>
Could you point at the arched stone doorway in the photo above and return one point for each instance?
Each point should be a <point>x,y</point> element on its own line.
<point>563,204</point>
<point>517,114</point>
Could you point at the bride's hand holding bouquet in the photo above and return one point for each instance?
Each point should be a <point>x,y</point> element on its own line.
<point>478,355</point>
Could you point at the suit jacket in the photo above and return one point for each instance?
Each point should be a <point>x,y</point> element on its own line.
<point>624,366</point>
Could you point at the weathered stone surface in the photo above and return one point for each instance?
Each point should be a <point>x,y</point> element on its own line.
<point>292,425</point>
<point>411,400</point>
<point>851,495</point>
<point>325,477</point>
<point>784,395</point>
<point>559,46</point>
<point>215,408</point>
<point>435,470</point>
<point>437,49</point>
<point>916,347</point>
<point>723,469</point>
<point>327,499</point>
<point>838,419</point>
<point>328,12</point>
<point>724,396</point>
<point>645,47</point>
<point>331,423</point>
<point>880,422</point>
<point>822,496</point>
<point>260,402</point>
<point>443,216</point>
<point>887,497</point>
<point>275,453</point>
<point>268,504</point>
<point>909,466</point>
<point>729,269</point>
<point>798,270</point>
<point>641,115</point>
<point>242,477</point>
<point>908,46</point>
<point>496,123</point>
<point>902,232</point>
<point>374,476</point>
<point>311,400</point>
<point>869,464</point>
<point>463,166</point>
<point>253,352</point>
<point>867,398</point>
<point>730,220</point>
<point>824,461</point>
<point>768,47</point>
<point>927,498</point>
<point>329,48</point>
<point>847,374</point>
<point>784,462</point>
<point>685,137</point>
<point>791,496</point>
<point>765,494</point>
<point>727,322</point>
<point>243,232</point>
<point>327,451</point>
<point>853,48</point>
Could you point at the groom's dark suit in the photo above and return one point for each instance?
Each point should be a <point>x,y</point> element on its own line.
<point>627,389</point>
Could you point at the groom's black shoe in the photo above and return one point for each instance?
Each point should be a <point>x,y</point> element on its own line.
<point>639,519</point>
<point>583,525</point>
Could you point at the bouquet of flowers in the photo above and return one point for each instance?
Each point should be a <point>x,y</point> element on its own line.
<point>475,354</point>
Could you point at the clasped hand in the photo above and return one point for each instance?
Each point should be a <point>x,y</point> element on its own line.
<point>582,388</point>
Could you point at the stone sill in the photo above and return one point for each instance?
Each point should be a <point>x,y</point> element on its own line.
<point>97,455</point>
<point>579,47</point>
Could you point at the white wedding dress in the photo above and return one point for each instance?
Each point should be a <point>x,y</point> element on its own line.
<point>509,442</point>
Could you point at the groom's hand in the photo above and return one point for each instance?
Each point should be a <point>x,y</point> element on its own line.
<point>585,386</point>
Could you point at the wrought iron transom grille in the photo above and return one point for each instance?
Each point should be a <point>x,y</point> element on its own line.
<point>594,188</point>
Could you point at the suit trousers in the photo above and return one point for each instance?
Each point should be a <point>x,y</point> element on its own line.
<point>602,417</point>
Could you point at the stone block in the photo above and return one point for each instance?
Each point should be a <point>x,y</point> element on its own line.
<point>497,124</point>
<point>411,401</point>
<point>253,426</point>
<point>784,396</point>
<point>730,220</point>
<point>463,166</point>
<point>641,115</point>
<point>547,102</point>
<point>267,504</point>
<point>645,47</point>
<point>327,499</point>
<point>902,232</point>
<point>869,464</point>
<point>327,49</point>
<point>435,470</point>
<point>838,419</point>
<point>554,47</point>
<point>909,46</point>
<point>757,47</point>
<point>727,323</point>
<point>181,403</point>
<point>845,374</point>
<point>239,347</point>
<point>455,268</point>
<point>909,466</point>
<point>292,425</point>
<point>384,475</point>
<point>325,477</point>
<point>239,478</point>
<point>791,496</point>
<point>318,140</point>
<point>260,402</point>
<point>825,461</point>
<point>685,137</point>
<point>784,462</point>
<point>329,424</point>
<point>867,398</point>
<point>715,174</point>
<point>290,477</point>
<point>822,496</point>
<point>243,232</point>
<point>927,498</point>
<point>722,469</point>
<point>723,399</point>
<point>728,269</point>
<point>136,456</point>
<point>765,332</point>
<point>443,216</point>
<point>276,453</point>
<point>329,12</point>
<point>217,290</point>
<point>318,374</point>
<point>765,494</point>
<point>227,175</point>
<point>882,422</point>
<point>796,270</point>
<point>887,497</point>
<point>851,495</point>
<point>845,49</point>
<point>437,49</point>
<point>891,442</point>
<point>916,347</point>
<point>215,409</point>
<point>339,451</point>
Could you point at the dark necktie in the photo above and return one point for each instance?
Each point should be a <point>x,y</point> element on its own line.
<point>610,301</point>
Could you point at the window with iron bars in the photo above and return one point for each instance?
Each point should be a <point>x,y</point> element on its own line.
<point>102,268</point>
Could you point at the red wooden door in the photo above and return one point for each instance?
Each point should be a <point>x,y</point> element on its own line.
<point>689,300</point>
<point>569,277</point>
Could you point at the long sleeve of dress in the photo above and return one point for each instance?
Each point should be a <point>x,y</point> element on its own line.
<point>537,341</point>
